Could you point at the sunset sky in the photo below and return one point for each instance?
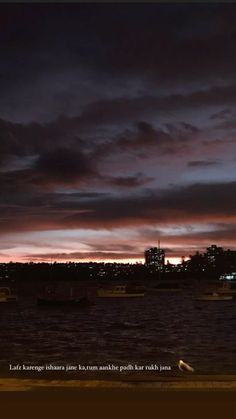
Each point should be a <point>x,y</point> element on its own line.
<point>117,129</point>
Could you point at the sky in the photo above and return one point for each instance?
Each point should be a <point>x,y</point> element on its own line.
<point>117,129</point>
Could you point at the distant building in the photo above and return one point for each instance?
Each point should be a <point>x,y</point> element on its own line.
<point>155,257</point>
<point>213,254</point>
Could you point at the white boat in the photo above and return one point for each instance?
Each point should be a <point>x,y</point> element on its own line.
<point>119,291</point>
<point>228,277</point>
<point>6,296</point>
<point>227,288</point>
<point>214,297</point>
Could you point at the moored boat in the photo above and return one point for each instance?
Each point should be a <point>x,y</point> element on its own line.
<point>227,288</point>
<point>165,287</point>
<point>228,277</point>
<point>6,296</point>
<point>54,298</point>
<point>214,297</point>
<point>120,291</point>
<point>64,302</point>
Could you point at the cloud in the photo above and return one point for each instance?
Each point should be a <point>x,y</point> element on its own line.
<point>114,103</point>
<point>175,245</point>
<point>33,138</point>
<point>130,181</point>
<point>145,142</point>
<point>205,203</point>
<point>223,114</point>
<point>46,155</point>
<point>82,256</point>
<point>64,166</point>
<point>202,163</point>
<point>160,49</point>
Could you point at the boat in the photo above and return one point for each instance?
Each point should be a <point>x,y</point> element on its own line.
<point>120,291</point>
<point>213,297</point>
<point>227,288</point>
<point>55,299</point>
<point>228,277</point>
<point>165,287</point>
<point>64,302</point>
<point>6,296</point>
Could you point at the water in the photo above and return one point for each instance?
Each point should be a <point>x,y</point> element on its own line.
<point>159,329</point>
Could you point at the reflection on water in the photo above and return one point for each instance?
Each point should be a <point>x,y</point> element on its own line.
<point>155,329</point>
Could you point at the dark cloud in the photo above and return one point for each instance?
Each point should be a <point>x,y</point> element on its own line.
<point>168,53</point>
<point>228,126</point>
<point>114,247</point>
<point>41,154</point>
<point>144,141</point>
<point>83,195</point>
<point>32,139</point>
<point>100,102</point>
<point>163,41</point>
<point>49,172</point>
<point>130,181</point>
<point>145,128</point>
<point>64,166</point>
<point>129,108</point>
<point>190,46</point>
<point>194,203</point>
<point>202,163</point>
<point>223,114</point>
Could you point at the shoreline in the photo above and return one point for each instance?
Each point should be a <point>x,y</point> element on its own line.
<point>196,383</point>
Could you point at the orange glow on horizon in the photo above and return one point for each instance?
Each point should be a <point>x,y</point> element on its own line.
<point>172,260</point>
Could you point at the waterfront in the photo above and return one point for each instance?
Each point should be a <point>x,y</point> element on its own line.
<point>157,329</point>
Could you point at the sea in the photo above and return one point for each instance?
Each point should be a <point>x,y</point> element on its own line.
<point>116,336</point>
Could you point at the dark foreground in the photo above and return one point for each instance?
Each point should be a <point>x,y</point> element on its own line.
<point>195,397</point>
<point>196,383</point>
